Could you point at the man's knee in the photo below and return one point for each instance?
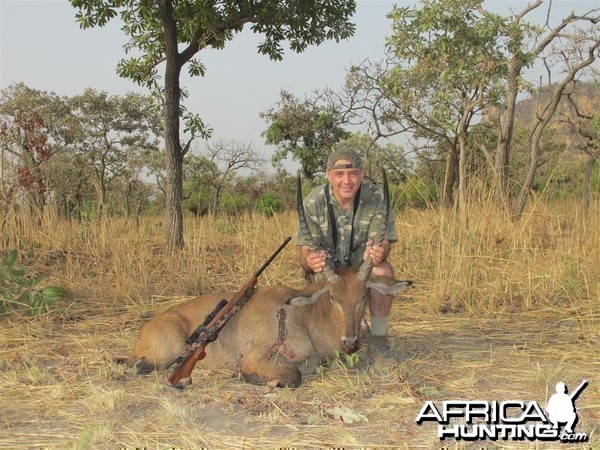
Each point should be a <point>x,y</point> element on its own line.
<point>383,270</point>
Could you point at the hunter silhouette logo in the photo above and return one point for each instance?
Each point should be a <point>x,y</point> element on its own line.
<point>515,420</point>
<point>561,406</point>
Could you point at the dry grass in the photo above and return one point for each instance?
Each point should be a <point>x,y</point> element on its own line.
<point>499,311</point>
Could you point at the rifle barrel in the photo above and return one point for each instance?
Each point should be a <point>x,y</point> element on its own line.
<point>273,256</point>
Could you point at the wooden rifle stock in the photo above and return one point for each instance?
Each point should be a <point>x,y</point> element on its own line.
<point>178,373</point>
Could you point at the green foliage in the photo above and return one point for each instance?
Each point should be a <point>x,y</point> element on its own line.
<point>415,192</point>
<point>173,32</point>
<point>200,178</point>
<point>234,203</point>
<point>344,362</point>
<point>303,130</point>
<point>198,202</point>
<point>207,24</point>
<point>199,25</point>
<point>448,52</point>
<point>18,290</point>
<point>269,204</point>
<point>351,360</point>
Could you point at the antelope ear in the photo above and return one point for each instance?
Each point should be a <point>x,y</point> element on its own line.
<point>307,296</point>
<point>386,285</point>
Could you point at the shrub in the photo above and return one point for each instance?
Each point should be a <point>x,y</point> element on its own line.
<point>269,204</point>
<point>18,290</point>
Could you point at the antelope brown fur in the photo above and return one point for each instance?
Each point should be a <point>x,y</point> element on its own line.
<point>278,335</point>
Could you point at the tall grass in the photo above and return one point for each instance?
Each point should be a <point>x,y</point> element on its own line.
<point>546,259</point>
<point>500,310</point>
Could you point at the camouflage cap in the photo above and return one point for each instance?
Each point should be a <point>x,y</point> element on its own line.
<point>345,153</point>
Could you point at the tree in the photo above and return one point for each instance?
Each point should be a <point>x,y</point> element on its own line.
<point>518,58</point>
<point>526,44</point>
<point>113,131</point>
<point>364,103</point>
<point>574,52</point>
<point>70,180</point>
<point>305,130</point>
<point>132,193</point>
<point>173,32</point>
<point>448,61</point>
<point>199,181</point>
<point>33,127</point>
<point>458,64</point>
<point>230,157</point>
<point>584,124</point>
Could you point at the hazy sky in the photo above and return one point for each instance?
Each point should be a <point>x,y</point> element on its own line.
<point>43,47</point>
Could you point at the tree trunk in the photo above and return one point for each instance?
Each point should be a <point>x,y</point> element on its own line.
<point>215,205</point>
<point>532,164</point>
<point>101,198</point>
<point>174,185</point>
<point>450,181</point>
<point>589,168</point>
<point>462,174</point>
<point>100,211</point>
<point>126,201</point>
<point>174,153</point>
<point>505,130</point>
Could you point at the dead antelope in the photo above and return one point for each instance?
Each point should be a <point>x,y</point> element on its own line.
<point>281,333</point>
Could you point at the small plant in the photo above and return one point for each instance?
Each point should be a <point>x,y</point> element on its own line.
<point>19,290</point>
<point>351,360</point>
<point>347,362</point>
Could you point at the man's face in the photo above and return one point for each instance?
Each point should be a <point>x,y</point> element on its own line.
<point>345,182</point>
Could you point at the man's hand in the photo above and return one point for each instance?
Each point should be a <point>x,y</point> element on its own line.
<point>377,253</point>
<point>316,261</point>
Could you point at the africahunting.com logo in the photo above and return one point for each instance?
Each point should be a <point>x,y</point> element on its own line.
<point>515,420</point>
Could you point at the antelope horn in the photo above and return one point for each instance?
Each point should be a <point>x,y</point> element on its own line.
<point>328,272</point>
<point>367,266</point>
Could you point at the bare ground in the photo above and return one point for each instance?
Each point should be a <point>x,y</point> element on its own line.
<point>59,386</point>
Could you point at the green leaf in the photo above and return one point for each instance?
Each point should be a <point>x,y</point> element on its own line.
<point>35,280</point>
<point>53,292</point>
<point>6,276</point>
<point>346,415</point>
<point>9,259</point>
<point>24,297</point>
<point>196,68</point>
<point>19,272</point>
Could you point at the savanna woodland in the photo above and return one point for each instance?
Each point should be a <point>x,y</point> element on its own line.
<point>115,207</point>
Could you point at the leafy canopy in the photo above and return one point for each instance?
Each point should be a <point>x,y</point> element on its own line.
<point>448,53</point>
<point>304,130</point>
<point>202,23</point>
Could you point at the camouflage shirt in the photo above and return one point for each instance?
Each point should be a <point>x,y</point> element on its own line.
<point>366,222</point>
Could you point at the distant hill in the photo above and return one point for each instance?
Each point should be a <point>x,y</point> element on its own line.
<point>586,95</point>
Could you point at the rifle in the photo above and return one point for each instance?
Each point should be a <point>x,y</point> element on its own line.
<point>177,373</point>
